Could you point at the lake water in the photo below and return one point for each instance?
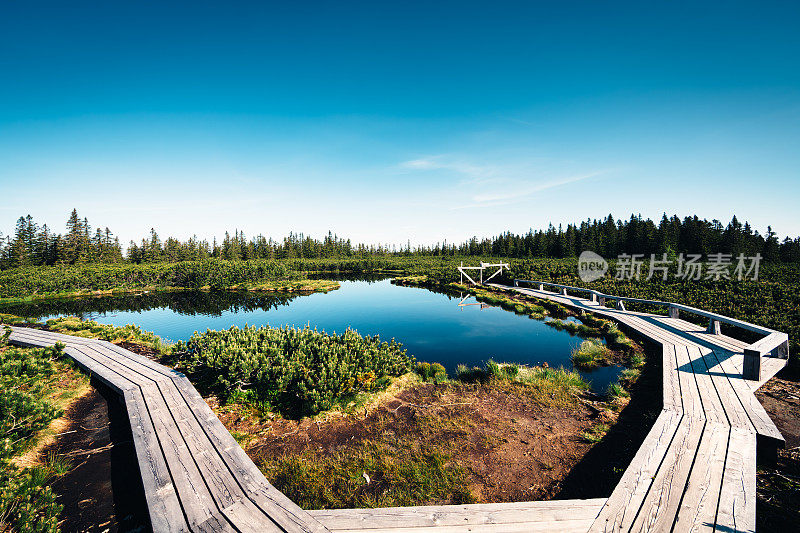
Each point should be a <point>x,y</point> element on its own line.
<point>432,326</point>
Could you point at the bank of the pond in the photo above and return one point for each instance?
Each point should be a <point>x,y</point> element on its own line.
<point>302,286</point>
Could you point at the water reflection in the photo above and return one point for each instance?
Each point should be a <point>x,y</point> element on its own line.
<point>433,326</point>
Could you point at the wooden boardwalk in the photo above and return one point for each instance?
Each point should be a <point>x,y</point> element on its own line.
<point>696,469</point>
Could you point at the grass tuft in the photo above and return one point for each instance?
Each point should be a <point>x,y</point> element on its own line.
<point>590,354</point>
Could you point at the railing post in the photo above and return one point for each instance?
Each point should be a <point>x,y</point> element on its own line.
<point>564,292</point>
<point>673,312</point>
<point>620,305</point>
<point>752,365</point>
<point>541,286</point>
<point>713,327</point>
<point>594,297</point>
<point>601,300</point>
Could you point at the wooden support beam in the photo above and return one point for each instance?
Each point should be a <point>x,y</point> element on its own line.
<point>752,365</point>
<point>714,327</point>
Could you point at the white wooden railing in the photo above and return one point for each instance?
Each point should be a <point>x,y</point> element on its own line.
<point>772,344</point>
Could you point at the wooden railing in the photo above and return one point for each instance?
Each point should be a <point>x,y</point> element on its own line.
<point>773,344</point>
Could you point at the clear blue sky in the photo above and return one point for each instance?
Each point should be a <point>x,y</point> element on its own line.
<point>386,122</point>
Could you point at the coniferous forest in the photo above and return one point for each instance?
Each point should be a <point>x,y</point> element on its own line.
<point>80,243</point>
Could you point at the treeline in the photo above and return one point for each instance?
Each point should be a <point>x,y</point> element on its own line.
<point>32,245</point>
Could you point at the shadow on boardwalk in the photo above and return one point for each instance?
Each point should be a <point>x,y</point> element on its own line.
<point>601,468</point>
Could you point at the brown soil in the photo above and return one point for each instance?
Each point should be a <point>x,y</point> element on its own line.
<point>511,448</point>
<point>778,505</point>
<point>102,490</point>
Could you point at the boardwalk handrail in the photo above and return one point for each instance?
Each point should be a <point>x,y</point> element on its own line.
<point>773,343</point>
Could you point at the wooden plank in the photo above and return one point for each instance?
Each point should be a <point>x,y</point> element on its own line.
<point>564,526</point>
<point>52,337</point>
<point>712,405</point>
<point>734,412</point>
<point>769,367</point>
<point>274,503</point>
<point>223,488</point>
<point>227,493</point>
<point>292,520</point>
<point>112,380</point>
<point>195,498</point>
<point>164,508</point>
<point>661,504</point>
<point>671,385</point>
<point>213,524</point>
<point>460,515</point>
<point>699,333</point>
<point>698,508</point>
<point>690,394</point>
<point>737,501</point>
<point>619,511</point>
<point>760,420</point>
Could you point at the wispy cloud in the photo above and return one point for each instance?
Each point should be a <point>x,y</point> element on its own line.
<point>525,191</point>
<point>468,172</point>
<point>487,185</point>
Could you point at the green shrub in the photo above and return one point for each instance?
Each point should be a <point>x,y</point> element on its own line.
<point>423,370</point>
<point>26,503</point>
<point>431,372</point>
<point>5,333</point>
<point>298,371</point>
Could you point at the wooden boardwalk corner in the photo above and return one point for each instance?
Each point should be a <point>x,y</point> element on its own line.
<point>695,470</point>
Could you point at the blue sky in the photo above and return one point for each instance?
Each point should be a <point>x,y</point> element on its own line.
<point>388,122</point>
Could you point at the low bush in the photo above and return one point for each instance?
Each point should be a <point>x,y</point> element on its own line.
<point>431,372</point>
<point>296,371</point>
<point>27,504</point>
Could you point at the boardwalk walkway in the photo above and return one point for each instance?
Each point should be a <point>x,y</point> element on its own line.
<point>696,469</point>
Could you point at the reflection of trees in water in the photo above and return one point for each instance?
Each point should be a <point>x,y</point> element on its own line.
<point>212,303</point>
<point>349,276</point>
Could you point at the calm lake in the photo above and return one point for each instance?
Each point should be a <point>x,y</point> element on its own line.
<point>432,326</point>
